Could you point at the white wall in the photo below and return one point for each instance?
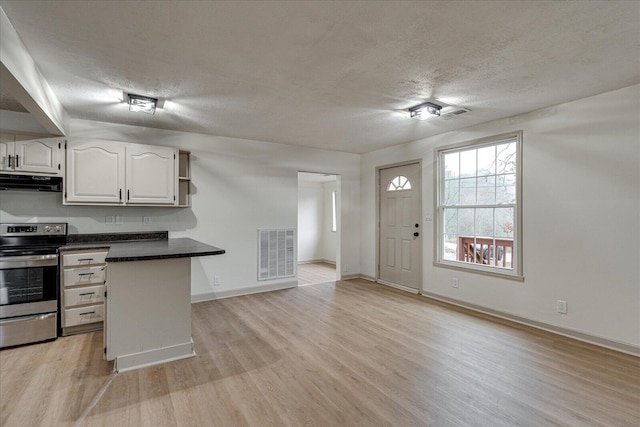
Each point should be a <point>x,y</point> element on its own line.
<point>239,185</point>
<point>310,220</point>
<point>581,214</point>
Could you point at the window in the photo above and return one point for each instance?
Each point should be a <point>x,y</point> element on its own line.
<point>333,211</point>
<point>399,183</point>
<point>479,216</point>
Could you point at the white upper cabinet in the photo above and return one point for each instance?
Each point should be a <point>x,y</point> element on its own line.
<point>151,175</point>
<point>118,173</point>
<point>22,156</point>
<point>95,172</point>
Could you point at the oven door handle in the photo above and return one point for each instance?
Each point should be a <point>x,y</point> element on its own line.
<point>28,261</point>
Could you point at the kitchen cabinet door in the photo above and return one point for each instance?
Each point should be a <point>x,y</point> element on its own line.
<point>95,172</point>
<point>151,175</point>
<point>38,156</point>
<point>6,150</point>
<point>21,154</point>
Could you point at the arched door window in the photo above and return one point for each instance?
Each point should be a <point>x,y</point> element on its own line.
<point>399,183</point>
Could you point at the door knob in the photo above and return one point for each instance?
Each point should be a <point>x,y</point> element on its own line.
<point>416,234</point>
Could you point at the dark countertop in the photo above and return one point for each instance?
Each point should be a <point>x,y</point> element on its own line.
<point>124,250</point>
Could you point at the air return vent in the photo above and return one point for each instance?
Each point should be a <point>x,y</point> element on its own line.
<point>456,111</point>
<point>276,253</point>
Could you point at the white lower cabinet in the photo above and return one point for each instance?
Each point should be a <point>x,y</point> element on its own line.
<point>83,276</point>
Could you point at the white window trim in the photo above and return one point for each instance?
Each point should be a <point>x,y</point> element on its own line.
<point>517,272</point>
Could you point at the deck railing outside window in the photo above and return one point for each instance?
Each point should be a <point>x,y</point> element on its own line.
<point>486,250</point>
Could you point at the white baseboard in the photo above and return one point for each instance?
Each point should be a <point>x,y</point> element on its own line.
<point>272,286</point>
<point>130,362</point>
<point>570,333</point>
<point>315,261</point>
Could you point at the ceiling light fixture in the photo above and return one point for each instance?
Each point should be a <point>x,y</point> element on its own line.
<point>424,111</point>
<point>142,103</point>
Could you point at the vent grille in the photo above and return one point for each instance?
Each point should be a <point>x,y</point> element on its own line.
<point>453,113</point>
<point>276,253</point>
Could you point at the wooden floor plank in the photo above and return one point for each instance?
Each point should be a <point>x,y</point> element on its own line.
<point>338,353</point>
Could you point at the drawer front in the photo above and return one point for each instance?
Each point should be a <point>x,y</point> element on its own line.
<point>84,276</point>
<point>83,315</point>
<point>80,296</point>
<point>84,258</point>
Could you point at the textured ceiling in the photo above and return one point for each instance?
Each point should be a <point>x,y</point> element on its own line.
<point>332,75</point>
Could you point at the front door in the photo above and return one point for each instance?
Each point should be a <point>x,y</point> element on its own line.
<point>400,232</point>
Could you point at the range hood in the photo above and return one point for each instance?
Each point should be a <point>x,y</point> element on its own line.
<point>30,182</point>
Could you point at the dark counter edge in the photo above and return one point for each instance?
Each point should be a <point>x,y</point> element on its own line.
<point>168,256</point>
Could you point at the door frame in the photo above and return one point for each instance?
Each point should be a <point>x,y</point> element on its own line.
<point>420,247</point>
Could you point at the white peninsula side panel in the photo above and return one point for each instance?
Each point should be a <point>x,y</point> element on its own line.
<point>148,312</point>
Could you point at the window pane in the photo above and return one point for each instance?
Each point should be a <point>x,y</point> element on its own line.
<point>487,190</point>
<point>451,192</point>
<point>451,221</point>
<point>451,165</point>
<point>450,247</point>
<point>468,191</point>
<point>504,223</point>
<point>506,189</point>
<point>506,158</point>
<point>466,222</point>
<point>468,163</point>
<point>487,161</point>
<point>484,222</point>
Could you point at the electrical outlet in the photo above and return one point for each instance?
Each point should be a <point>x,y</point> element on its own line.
<point>455,282</point>
<point>146,220</point>
<point>109,219</point>
<point>346,268</point>
<point>216,280</point>
<point>561,306</point>
<point>119,219</point>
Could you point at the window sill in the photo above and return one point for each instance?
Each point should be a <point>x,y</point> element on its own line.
<point>477,269</point>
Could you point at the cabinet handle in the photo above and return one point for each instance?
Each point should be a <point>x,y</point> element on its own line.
<point>17,161</point>
<point>127,195</point>
<point>85,274</point>
<point>88,312</point>
<point>120,195</point>
<point>85,259</point>
<point>87,293</point>
<point>9,161</point>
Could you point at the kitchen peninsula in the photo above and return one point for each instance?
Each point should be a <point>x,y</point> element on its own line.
<point>147,295</point>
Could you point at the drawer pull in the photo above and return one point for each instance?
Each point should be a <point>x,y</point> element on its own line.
<point>85,274</point>
<point>87,293</point>
<point>88,312</point>
<point>85,259</point>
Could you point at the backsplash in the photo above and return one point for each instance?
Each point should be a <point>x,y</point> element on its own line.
<point>28,206</point>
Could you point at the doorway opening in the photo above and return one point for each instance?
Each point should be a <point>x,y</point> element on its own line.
<point>318,228</point>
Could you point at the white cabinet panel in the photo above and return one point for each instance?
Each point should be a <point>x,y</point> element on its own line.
<point>85,295</point>
<point>118,173</point>
<point>40,155</point>
<point>95,172</point>
<point>84,258</point>
<point>83,315</point>
<point>150,176</point>
<point>84,275</point>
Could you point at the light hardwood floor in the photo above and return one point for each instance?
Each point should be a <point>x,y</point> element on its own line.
<point>316,272</point>
<point>335,354</point>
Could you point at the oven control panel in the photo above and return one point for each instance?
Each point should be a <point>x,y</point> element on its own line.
<point>39,229</point>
